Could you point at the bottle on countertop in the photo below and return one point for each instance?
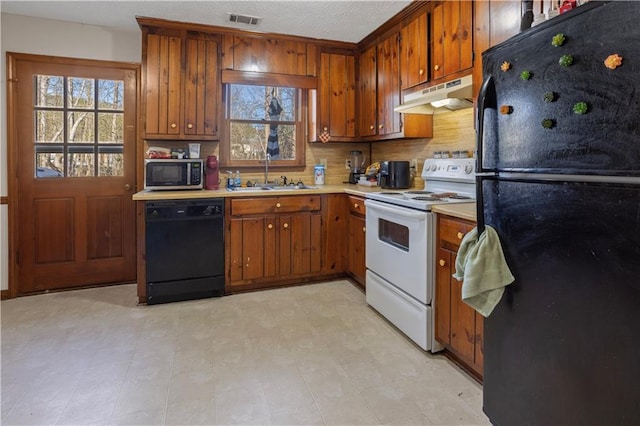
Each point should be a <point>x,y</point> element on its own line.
<point>237,182</point>
<point>230,180</point>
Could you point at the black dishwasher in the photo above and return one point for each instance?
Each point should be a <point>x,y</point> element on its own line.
<point>184,249</point>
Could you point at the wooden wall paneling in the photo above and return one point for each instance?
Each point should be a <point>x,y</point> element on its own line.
<point>312,59</point>
<point>226,56</point>
<point>481,40</point>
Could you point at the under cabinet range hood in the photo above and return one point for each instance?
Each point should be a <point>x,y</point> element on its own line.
<point>451,95</point>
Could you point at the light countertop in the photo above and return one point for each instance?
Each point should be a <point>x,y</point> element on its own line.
<point>204,193</point>
<point>460,210</point>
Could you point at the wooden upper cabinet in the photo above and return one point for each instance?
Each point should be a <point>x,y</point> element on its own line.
<point>181,87</point>
<point>414,51</point>
<point>452,40</point>
<point>388,66</point>
<point>491,28</point>
<point>337,96</point>
<point>367,115</point>
<point>272,55</point>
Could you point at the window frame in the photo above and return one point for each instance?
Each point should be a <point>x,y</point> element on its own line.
<point>301,83</point>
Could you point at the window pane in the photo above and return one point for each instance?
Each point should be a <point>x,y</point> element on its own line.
<point>49,164</point>
<point>49,91</point>
<point>80,127</point>
<point>111,94</point>
<point>80,93</point>
<point>262,103</point>
<point>49,126</point>
<point>110,128</point>
<point>81,162</point>
<point>110,163</point>
<point>249,141</point>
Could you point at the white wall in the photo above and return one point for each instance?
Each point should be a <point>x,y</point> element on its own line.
<point>22,34</point>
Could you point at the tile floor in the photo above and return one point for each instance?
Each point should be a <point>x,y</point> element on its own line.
<point>308,355</point>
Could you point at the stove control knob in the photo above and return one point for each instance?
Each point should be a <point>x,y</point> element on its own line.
<point>468,169</point>
<point>434,167</point>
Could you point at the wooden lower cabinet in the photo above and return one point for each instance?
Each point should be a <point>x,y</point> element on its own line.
<point>458,326</point>
<point>273,240</point>
<point>356,266</point>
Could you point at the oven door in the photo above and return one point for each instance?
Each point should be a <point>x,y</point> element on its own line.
<point>399,248</point>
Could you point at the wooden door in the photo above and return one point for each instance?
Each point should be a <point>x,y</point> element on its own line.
<point>337,95</point>
<point>443,296</point>
<point>357,237</point>
<point>463,319</point>
<point>367,94</point>
<point>73,132</point>
<point>388,85</point>
<point>414,52</point>
<point>201,88</point>
<point>163,73</point>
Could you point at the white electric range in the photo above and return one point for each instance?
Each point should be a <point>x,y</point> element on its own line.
<point>400,246</point>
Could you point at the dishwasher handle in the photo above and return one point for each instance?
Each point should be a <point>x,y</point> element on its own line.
<point>184,210</point>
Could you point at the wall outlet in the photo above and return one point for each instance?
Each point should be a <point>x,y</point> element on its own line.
<point>347,164</point>
<point>414,163</point>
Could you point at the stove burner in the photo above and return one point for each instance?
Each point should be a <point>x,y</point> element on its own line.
<point>419,192</point>
<point>390,193</point>
<point>459,197</point>
<point>426,199</point>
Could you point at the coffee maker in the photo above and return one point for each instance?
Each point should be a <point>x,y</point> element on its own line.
<point>357,168</point>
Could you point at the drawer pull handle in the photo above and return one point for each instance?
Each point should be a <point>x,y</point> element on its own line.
<point>421,72</point>
<point>371,127</point>
<point>270,226</point>
<point>356,205</point>
<point>437,67</point>
<point>364,229</point>
<point>285,226</point>
<point>278,205</point>
<point>460,235</point>
<point>442,262</point>
<point>189,126</point>
<point>248,260</point>
<point>174,125</point>
<point>381,126</point>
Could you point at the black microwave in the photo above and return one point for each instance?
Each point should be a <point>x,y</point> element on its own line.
<point>166,174</point>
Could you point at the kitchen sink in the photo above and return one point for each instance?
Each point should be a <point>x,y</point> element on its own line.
<point>271,188</point>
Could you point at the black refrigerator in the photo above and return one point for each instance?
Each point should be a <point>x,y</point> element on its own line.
<point>559,180</point>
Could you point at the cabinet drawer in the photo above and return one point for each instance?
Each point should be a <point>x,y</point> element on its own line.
<point>296,203</point>
<point>453,230</point>
<point>356,205</point>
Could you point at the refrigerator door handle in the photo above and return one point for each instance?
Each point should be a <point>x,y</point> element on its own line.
<point>486,99</point>
<point>479,206</point>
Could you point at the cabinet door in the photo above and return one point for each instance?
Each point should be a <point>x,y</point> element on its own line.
<point>246,246</point>
<point>367,93</point>
<point>271,246</point>
<point>305,243</point>
<point>463,319</point>
<point>163,85</point>
<point>357,241</point>
<point>337,95</point>
<point>444,269</point>
<point>201,88</point>
<point>451,23</point>
<point>414,52</point>
<point>285,242</point>
<point>388,85</point>
<point>271,55</point>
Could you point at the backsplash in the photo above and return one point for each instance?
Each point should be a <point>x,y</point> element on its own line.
<point>452,131</point>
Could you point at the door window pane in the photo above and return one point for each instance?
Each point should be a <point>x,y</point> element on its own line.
<point>81,162</point>
<point>80,93</point>
<point>110,128</point>
<point>70,135</point>
<point>49,126</point>
<point>111,94</point>
<point>80,127</point>
<point>49,91</point>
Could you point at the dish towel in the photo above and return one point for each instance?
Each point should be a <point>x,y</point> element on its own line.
<point>481,264</point>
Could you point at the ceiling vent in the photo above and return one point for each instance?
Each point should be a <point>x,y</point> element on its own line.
<point>244,19</point>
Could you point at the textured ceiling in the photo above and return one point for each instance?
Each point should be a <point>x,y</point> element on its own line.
<point>328,19</point>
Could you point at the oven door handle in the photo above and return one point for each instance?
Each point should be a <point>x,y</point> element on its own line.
<point>395,210</point>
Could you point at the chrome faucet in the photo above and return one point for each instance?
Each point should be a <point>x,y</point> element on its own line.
<point>266,168</point>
